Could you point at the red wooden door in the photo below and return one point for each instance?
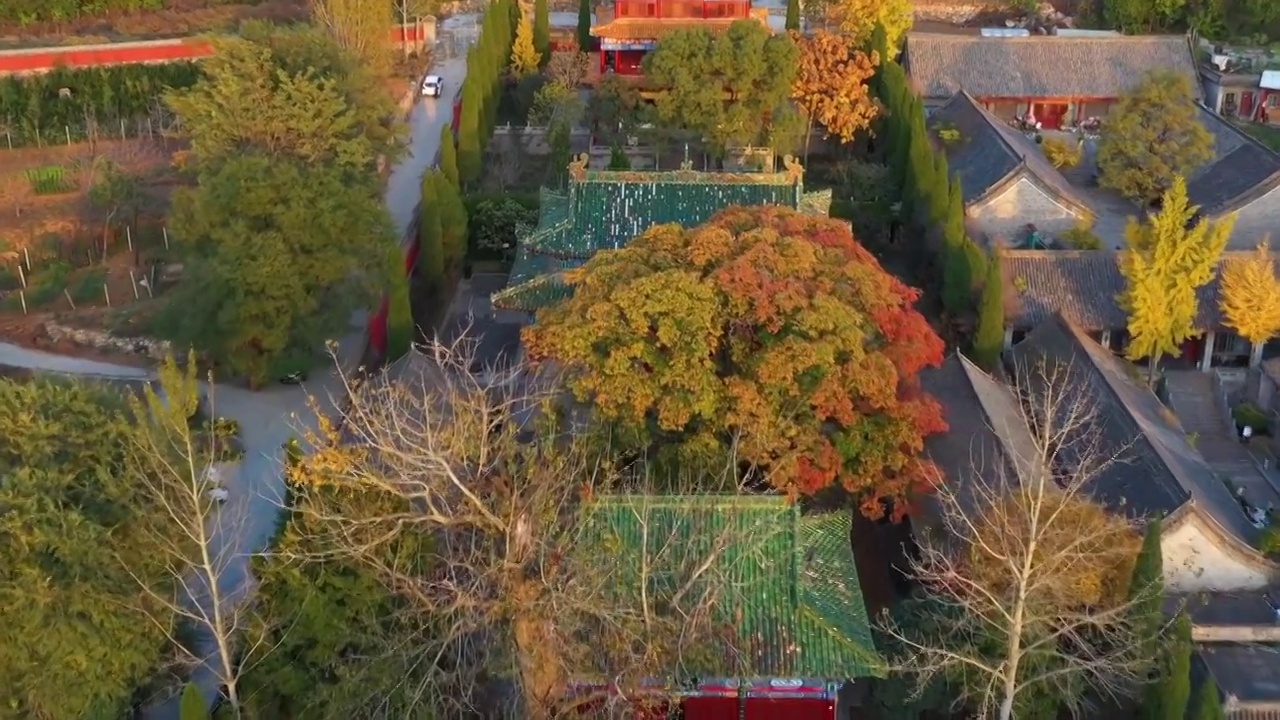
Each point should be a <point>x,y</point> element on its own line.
<point>1246,105</point>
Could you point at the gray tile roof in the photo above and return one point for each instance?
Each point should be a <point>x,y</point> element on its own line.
<point>1082,285</point>
<point>1042,66</point>
<point>1241,168</point>
<point>1160,471</point>
<point>1210,609</point>
<point>988,154</point>
<point>1249,673</point>
<point>987,431</point>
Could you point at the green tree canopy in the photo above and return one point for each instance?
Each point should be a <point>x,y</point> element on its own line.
<point>287,93</point>
<point>77,639</point>
<point>1153,136</point>
<point>724,86</point>
<point>278,254</point>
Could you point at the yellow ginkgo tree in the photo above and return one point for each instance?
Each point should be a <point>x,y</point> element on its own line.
<point>1250,297</point>
<point>1168,258</point>
<point>524,54</point>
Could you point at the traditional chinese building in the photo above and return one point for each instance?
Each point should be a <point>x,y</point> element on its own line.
<point>794,623</point>
<point>1060,80</point>
<point>605,209</point>
<point>635,26</point>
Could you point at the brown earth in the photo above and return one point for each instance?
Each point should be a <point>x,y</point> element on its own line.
<point>180,17</point>
<point>67,231</point>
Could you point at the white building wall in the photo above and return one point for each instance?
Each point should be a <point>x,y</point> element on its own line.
<point>1194,562</point>
<point>1006,215</point>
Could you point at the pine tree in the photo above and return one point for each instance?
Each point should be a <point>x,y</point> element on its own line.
<point>938,192</point>
<point>524,54</point>
<point>584,25</point>
<point>793,15</point>
<point>542,29</point>
<point>988,341</point>
<point>1208,703</point>
<point>449,156</point>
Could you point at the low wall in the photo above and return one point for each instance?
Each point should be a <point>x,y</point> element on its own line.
<point>43,59</point>
<point>98,340</point>
<point>533,140</point>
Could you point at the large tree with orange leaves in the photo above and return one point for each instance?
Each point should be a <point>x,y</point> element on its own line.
<point>831,84</point>
<point>767,334</point>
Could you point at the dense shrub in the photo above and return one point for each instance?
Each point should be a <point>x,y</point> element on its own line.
<point>25,12</point>
<point>1060,153</point>
<point>93,96</point>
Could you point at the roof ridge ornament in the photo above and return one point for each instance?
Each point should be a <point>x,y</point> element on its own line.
<point>795,171</point>
<point>578,167</point>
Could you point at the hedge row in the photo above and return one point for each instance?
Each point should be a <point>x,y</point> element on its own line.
<point>65,100</point>
<point>25,12</point>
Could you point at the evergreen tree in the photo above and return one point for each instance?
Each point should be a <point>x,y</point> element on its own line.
<point>584,25</point>
<point>1168,697</point>
<point>618,159</point>
<point>939,190</point>
<point>1209,702</point>
<point>399,307</point>
<point>542,29</point>
<point>558,171</point>
<point>1146,589</point>
<point>193,705</point>
<point>957,279</point>
<point>449,156</point>
<point>453,223</point>
<point>470,147</point>
<point>793,15</point>
<point>988,341</point>
<point>431,266</point>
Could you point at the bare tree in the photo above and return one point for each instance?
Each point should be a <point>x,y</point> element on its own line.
<point>359,27</point>
<point>551,566</point>
<point>197,533</point>
<point>1023,588</point>
<point>568,68</point>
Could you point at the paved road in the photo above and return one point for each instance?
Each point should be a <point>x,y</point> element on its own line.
<point>270,417</point>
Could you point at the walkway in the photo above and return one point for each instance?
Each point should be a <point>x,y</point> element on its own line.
<point>269,418</point>
<point>1195,401</point>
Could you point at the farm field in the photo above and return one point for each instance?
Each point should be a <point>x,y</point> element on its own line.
<point>82,227</point>
<point>178,18</point>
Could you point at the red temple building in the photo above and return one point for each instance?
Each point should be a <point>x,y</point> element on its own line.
<point>636,26</point>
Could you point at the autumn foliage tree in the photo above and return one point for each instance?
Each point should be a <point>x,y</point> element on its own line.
<point>766,333</point>
<point>1250,296</point>
<point>831,85</point>
<point>524,53</point>
<point>1168,258</point>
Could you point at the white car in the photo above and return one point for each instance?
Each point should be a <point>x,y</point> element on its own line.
<point>432,86</point>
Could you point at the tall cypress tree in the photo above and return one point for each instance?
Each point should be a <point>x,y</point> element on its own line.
<point>542,29</point>
<point>449,156</point>
<point>1168,698</point>
<point>988,341</point>
<point>1146,590</point>
<point>470,146</point>
<point>957,283</point>
<point>584,25</point>
<point>793,15</point>
<point>399,306</point>
<point>939,190</point>
<point>1208,703</point>
<point>430,239</point>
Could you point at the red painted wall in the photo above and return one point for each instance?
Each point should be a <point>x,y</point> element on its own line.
<point>158,51</point>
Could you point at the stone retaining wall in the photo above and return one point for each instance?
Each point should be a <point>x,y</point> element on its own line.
<point>99,340</point>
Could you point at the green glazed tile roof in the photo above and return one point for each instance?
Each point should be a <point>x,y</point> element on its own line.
<point>606,209</point>
<point>785,582</point>
<point>611,208</point>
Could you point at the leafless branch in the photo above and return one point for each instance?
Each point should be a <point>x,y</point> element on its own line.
<point>1025,581</point>
<point>523,593</point>
<point>196,536</point>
